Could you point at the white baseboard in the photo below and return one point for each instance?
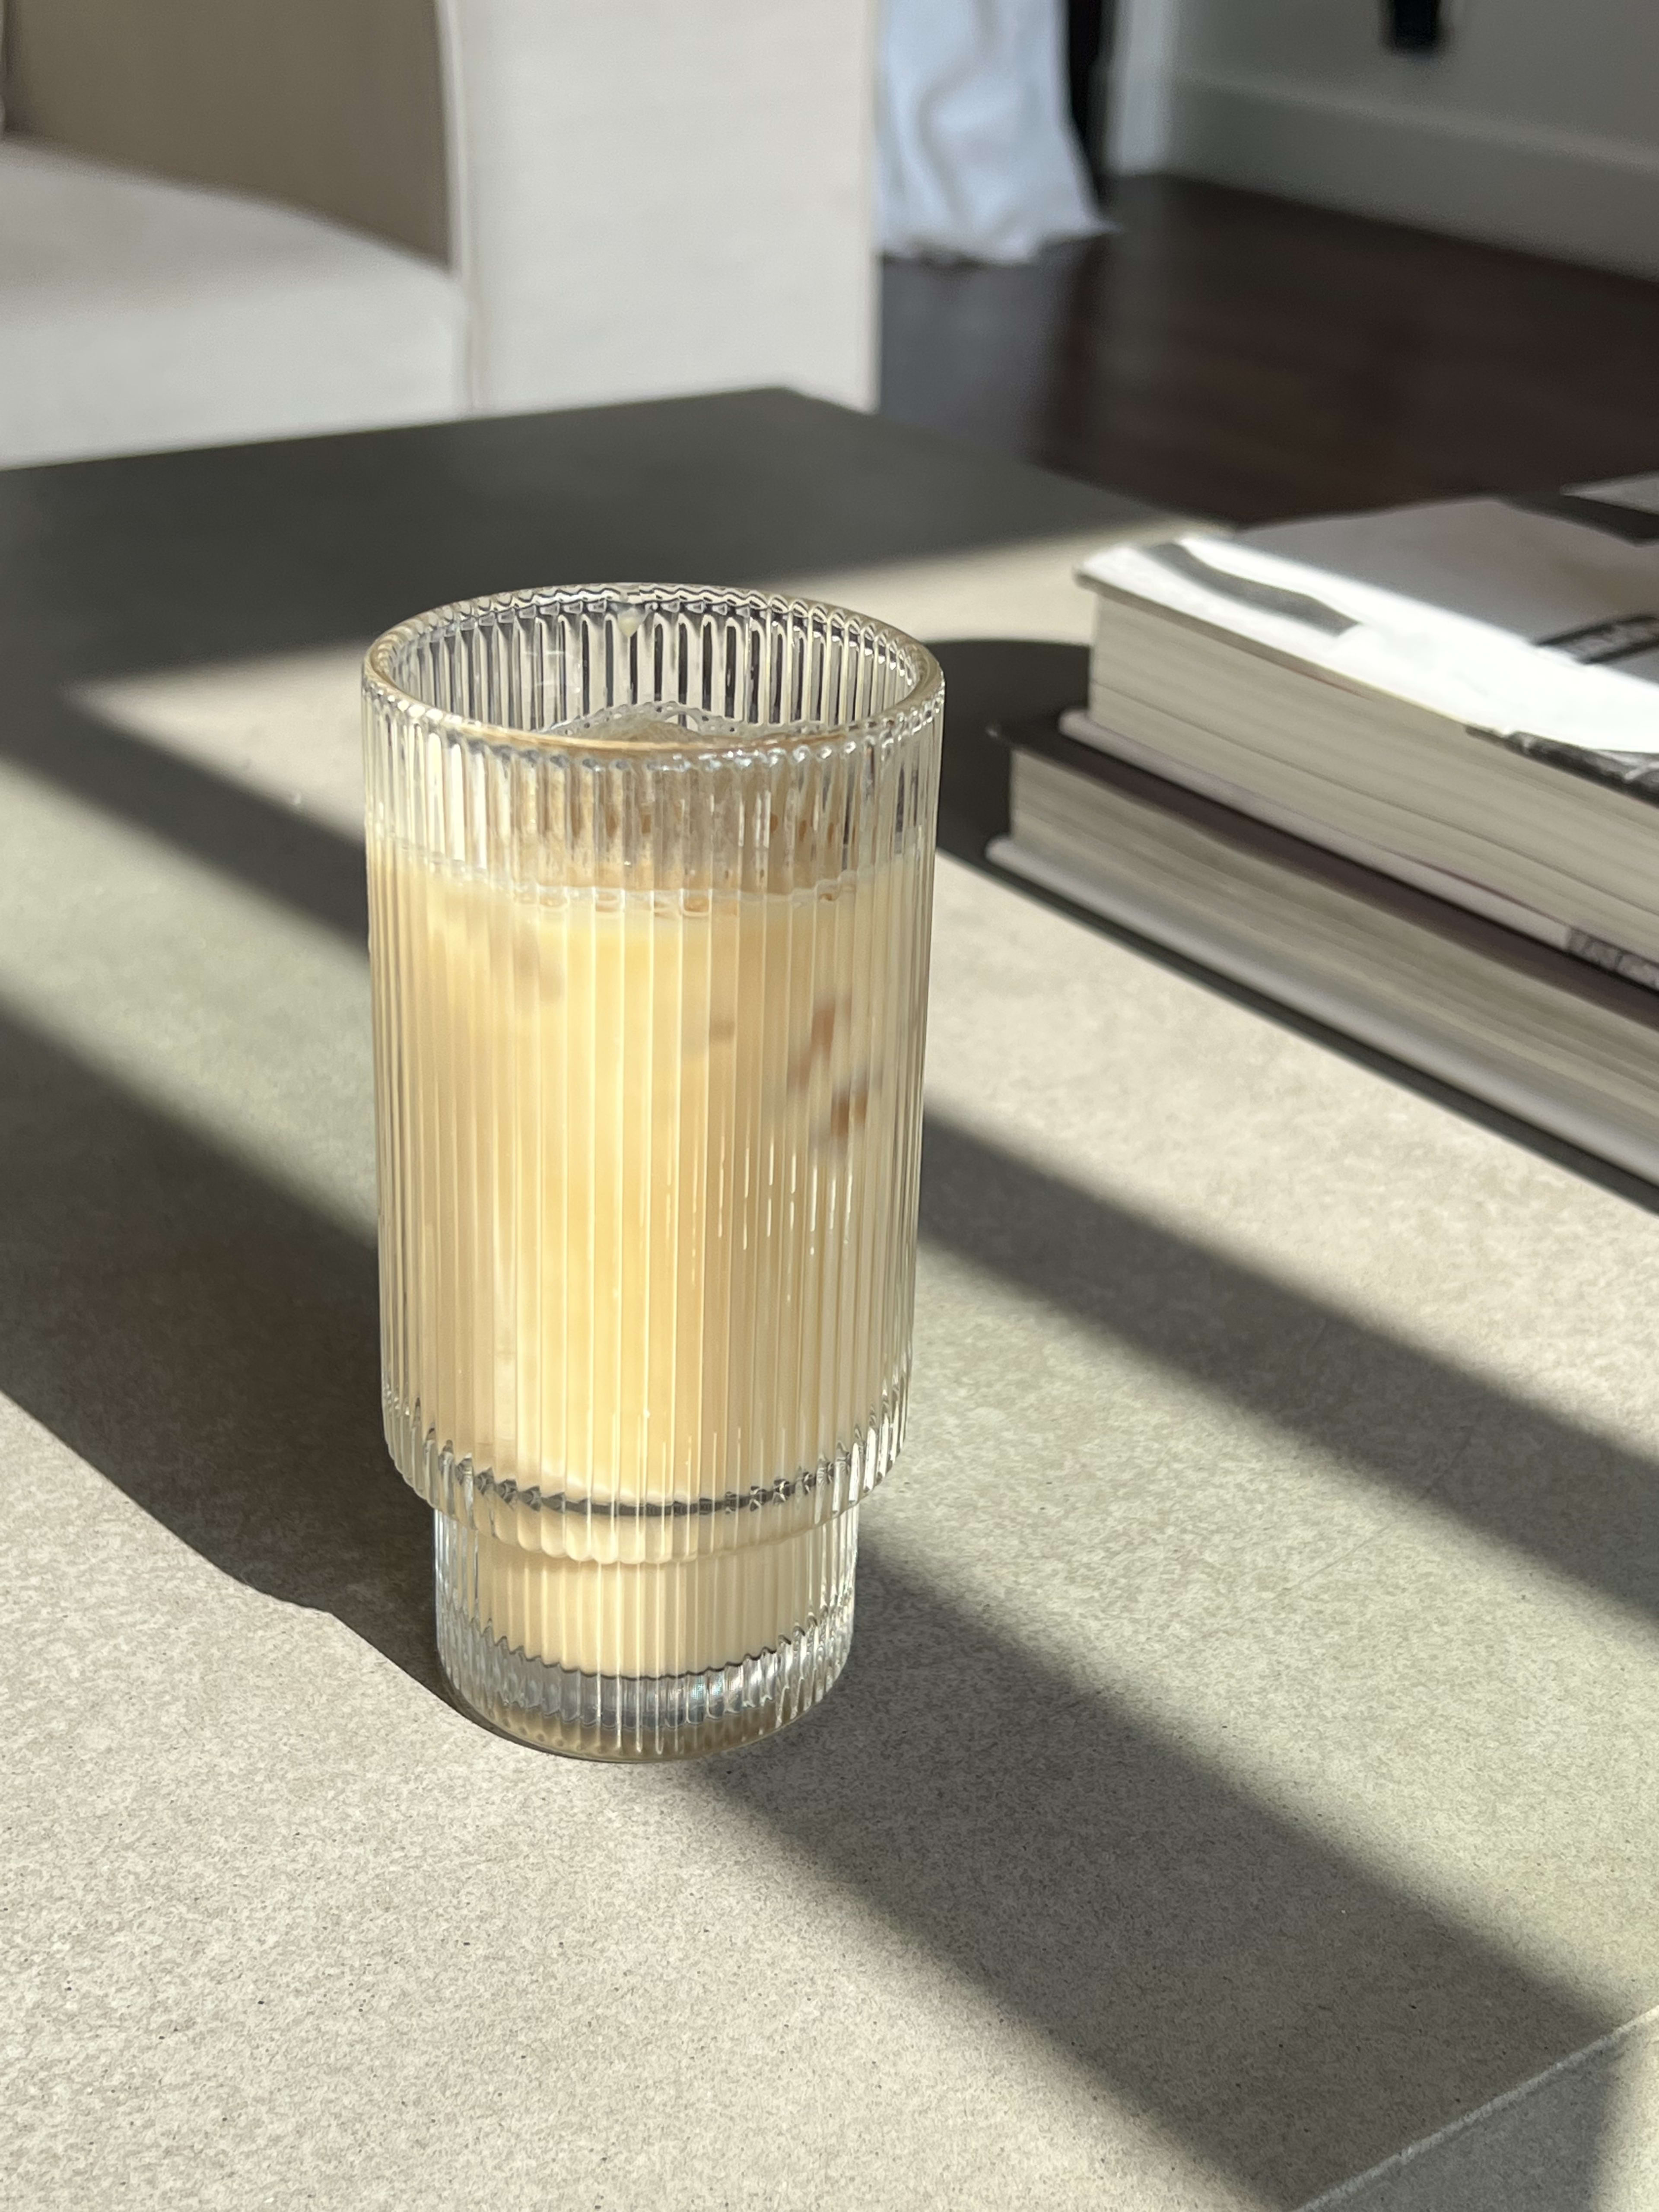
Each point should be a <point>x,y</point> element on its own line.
<point>1515,183</point>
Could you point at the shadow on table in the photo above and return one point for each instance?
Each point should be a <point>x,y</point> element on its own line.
<point>1581,1503</point>
<point>311,868</point>
<point>207,1344</point>
<point>288,855</point>
<point>211,1347</point>
<point>1229,1975</point>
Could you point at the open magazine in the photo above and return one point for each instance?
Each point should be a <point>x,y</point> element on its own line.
<point>1534,621</point>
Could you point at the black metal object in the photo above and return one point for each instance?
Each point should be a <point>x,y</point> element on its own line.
<point>1414,27</point>
<point>1088,32</point>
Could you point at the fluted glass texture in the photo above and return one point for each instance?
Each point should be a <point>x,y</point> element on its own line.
<point>651,875</point>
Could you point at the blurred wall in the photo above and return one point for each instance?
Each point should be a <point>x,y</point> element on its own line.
<point>672,195</point>
<point>1536,126</point>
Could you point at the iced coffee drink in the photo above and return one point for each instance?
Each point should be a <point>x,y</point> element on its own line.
<point>650,976</point>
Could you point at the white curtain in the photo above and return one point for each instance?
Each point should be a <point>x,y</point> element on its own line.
<point>975,155</point>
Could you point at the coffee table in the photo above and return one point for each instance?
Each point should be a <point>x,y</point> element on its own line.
<point>1245,1769</point>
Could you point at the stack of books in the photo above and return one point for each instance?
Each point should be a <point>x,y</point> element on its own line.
<point>1399,772</point>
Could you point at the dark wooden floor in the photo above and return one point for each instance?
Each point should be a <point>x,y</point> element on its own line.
<point>1245,357</point>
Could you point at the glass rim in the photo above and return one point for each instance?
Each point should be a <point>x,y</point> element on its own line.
<point>916,705</point>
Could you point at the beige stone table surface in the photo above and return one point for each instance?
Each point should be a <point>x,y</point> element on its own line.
<point>1242,1792</point>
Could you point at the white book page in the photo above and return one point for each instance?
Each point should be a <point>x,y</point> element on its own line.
<point>1535,576</point>
<point>1471,670</point>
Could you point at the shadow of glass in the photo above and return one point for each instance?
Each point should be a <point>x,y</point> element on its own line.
<point>1583,1504</point>
<point>211,1347</point>
<point>208,1345</point>
<point>988,682</point>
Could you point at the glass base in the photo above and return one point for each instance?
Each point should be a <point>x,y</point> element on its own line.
<point>633,1716</point>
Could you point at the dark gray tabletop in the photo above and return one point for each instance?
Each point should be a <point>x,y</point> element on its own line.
<point>1245,1766</point>
<point>181,559</point>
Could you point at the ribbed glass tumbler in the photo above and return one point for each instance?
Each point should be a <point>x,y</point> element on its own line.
<point>651,877</point>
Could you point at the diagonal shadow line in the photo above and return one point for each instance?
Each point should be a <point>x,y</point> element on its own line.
<point>319,872</point>
<point>1237,1978</point>
<point>208,1344</point>
<point>287,855</point>
<point>1583,1504</point>
<point>211,1346</point>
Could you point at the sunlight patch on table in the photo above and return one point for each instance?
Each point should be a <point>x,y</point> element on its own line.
<point>246,1022</point>
<point>286,726</point>
<point>1419,1693</point>
<point>1028,590</point>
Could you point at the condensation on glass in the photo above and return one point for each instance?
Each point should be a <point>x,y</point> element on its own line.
<point>651,874</point>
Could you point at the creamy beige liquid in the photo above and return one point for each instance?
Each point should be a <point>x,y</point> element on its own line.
<point>641,1158</point>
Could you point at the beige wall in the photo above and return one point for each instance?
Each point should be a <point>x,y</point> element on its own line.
<point>668,196</point>
<point>1538,124</point>
<point>1590,68</point>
